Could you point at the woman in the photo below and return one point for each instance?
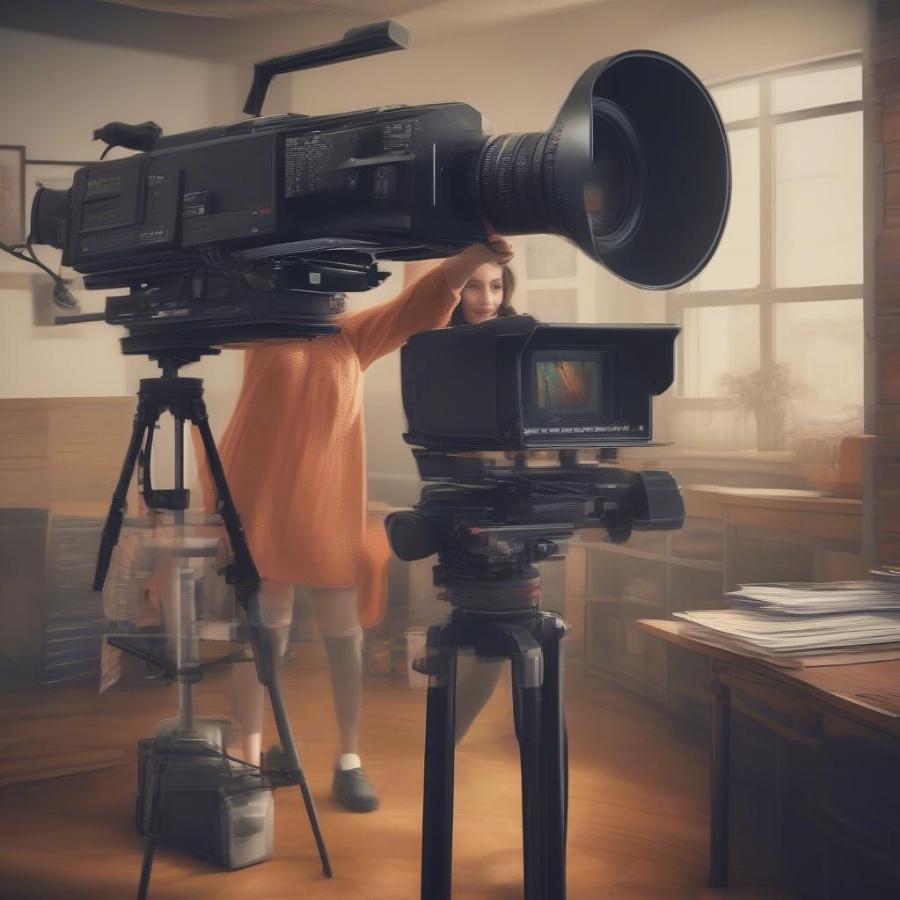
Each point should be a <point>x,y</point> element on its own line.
<point>486,295</point>
<point>294,456</point>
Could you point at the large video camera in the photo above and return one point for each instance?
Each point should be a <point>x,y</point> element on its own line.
<point>247,230</point>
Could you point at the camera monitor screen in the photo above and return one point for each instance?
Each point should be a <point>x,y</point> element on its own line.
<point>566,384</point>
<point>522,384</point>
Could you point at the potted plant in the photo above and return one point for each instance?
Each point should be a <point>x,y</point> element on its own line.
<point>765,392</point>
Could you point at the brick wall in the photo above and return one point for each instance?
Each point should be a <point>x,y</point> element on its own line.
<point>885,194</point>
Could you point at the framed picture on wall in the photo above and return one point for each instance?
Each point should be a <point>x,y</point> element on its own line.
<point>12,194</point>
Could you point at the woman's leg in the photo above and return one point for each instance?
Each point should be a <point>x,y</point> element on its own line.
<point>247,694</point>
<point>337,618</point>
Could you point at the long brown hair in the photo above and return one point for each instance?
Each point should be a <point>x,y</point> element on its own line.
<point>504,309</point>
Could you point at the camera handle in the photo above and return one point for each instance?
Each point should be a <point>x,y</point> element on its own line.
<point>367,40</point>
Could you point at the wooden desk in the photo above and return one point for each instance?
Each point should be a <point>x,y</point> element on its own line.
<point>821,706</point>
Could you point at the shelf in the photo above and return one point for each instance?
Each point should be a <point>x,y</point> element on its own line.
<point>740,462</point>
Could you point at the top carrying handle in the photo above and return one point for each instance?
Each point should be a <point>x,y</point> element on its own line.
<point>366,40</point>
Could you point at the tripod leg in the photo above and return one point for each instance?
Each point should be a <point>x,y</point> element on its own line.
<point>554,762</point>
<point>245,577</point>
<point>113,524</point>
<point>527,675</point>
<point>155,819</point>
<point>245,570</point>
<point>266,660</point>
<point>437,799</point>
<point>146,868</point>
<point>286,736</point>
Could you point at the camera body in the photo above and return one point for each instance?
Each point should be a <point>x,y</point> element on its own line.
<point>390,180</point>
<point>513,383</point>
<point>634,170</point>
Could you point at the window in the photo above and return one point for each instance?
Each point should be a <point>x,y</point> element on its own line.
<point>783,291</point>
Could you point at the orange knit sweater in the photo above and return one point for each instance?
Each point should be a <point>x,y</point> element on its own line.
<point>294,449</point>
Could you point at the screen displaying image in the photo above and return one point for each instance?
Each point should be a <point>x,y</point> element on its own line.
<point>567,384</point>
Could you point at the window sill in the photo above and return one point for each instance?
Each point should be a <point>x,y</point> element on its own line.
<point>761,462</point>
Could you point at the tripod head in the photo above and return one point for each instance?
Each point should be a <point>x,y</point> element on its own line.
<point>490,523</point>
<point>227,302</point>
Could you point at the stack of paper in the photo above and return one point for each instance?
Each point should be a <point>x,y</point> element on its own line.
<point>889,574</point>
<point>806,624</point>
<point>796,599</point>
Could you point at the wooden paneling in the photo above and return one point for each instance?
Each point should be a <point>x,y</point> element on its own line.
<point>23,563</point>
<point>63,454</point>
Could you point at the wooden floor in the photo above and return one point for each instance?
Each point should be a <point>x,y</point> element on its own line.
<point>638,819</point>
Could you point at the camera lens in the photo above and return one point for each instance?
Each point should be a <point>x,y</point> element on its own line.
<point>635,171</point>
<point>48,214</point>
<point>615,191</point>
<point>514,182</point>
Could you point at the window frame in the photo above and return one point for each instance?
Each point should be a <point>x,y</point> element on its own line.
<point>766,294</point>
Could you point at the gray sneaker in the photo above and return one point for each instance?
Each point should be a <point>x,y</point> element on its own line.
<point>352,790</point>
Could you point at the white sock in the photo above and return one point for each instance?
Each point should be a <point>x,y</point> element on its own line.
<point>349,761</point>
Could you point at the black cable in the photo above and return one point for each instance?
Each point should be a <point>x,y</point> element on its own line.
<point>108,148</point>
<point>18,251</point>
<point>242,762</point>
<point>62,296</point>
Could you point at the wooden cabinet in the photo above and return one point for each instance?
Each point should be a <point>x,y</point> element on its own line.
<point>814,796</point>
<point>653,575</point>
<point>803,791</point>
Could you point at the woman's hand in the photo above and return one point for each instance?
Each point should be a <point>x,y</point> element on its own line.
<point>458,269</point>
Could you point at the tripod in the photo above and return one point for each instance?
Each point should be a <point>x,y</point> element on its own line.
<point>501,618</point>
<point>183,398</point>
<point>489,523</point>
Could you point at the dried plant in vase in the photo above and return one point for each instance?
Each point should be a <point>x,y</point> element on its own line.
<point>766,392</point>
